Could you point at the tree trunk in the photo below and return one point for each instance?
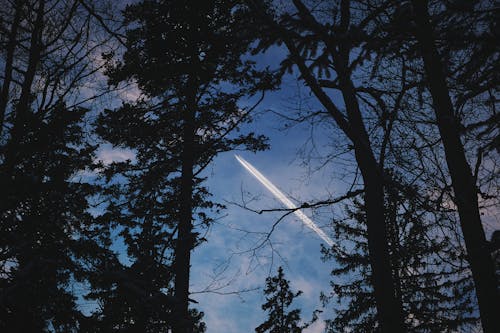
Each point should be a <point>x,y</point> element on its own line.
<point>24,102</point>
<point>9,59</point>
<point>463,183</point>
<point>389,307</point>
<point>185,241</point>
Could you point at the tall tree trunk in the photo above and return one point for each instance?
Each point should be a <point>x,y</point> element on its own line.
<point>388,302</point>
<point>387,299</point>
<point>389,308</point>
<point>9,59</point>
<point>185,241</point>
<point>22,108</point>
<point>24,102</point>
<point>463,182</point>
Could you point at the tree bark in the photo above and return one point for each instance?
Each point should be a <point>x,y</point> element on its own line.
<point>24,102</point>
<point>9,59</point>
<point>185,240</point>
<point>388,303</point>
<point>463,183</point>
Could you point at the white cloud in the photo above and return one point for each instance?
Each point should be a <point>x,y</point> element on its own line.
<point>309,289</point>
<point>317,327</point>
<point>108,154</point>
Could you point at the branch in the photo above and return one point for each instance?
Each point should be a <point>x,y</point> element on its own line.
<point>119,37</point>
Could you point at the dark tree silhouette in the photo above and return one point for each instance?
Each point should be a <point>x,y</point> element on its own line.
<point>47,233</point>
<point>322,47</point>
<point>432,280</point>
<point>45,226</point>
<point>449,46</point>
<point>279,298</point>
<point>463,182</point>
<point>186,59</point>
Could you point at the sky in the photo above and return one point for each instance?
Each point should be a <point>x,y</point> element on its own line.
<point>228,273</point>
<point>294,246</point>
<point>227,276</point>
<point>229,257</point>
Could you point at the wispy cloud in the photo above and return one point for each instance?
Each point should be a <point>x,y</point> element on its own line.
<point>108,154</point>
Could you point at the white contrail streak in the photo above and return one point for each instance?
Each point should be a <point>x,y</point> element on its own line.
<point>282,197</point>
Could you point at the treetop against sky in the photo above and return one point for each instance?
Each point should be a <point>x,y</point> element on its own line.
<point>159,160</point>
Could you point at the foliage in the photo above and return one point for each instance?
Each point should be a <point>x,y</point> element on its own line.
<point>186,59</point>
<point>46,229</point>
<point>48,235</point>
<point>436,293</point>
<point>279,297</point>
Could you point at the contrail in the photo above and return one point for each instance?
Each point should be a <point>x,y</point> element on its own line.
<point>282,197</point>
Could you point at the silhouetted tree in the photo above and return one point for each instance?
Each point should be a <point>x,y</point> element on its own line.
<point>463,182</point>
<point>327,49</point>
<point>186,59</point>
<point>279,298</point>
<point>46,229</point>
<point>449,46</point>
<point>431,276</point>
<point>47,233</point>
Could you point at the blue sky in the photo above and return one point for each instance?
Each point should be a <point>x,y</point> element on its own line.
<point>293,246</point>
<point>228,251</point>
<point>296,248</point>
<point>226,264</point>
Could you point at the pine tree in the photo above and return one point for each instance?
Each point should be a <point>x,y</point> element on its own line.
<point>432,280</point>
<point>46,229</point>
<point>186,59</point>
<point>279,297</point>
<point>47,235</point>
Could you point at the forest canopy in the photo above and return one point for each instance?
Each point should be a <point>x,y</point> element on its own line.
<point>123,209</point>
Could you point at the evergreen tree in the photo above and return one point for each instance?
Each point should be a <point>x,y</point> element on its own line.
<point>432,280</point>
<point>186,58</point>
<point>46,229</point>
<point>47,235</point>
<point>279,297</point>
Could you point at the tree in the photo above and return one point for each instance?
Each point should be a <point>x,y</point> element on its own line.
<point>186,59</point>
<point>48,234</point>
<point>330,46</point>
<point>279,297</point>
<point>449,44</point>
<point>45,231</point>
<point>466,195</point>
<point>432,280</point>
